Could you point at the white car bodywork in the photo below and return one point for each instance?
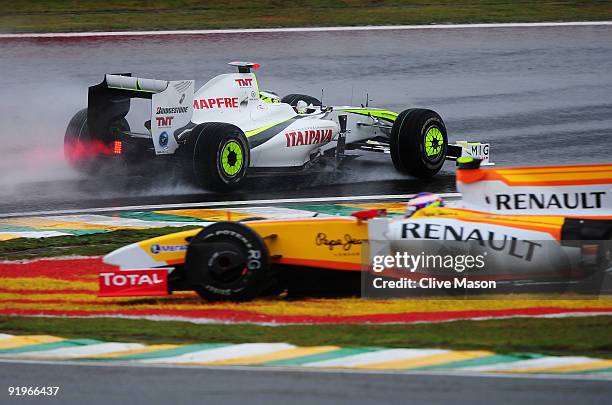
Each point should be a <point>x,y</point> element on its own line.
<point>279,135</point>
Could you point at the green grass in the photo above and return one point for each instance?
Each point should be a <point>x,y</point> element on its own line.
<point>82,245</point>
<point>96,15</point>
<point>567,336</point>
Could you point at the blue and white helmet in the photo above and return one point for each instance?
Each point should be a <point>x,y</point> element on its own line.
<point>423,200</point>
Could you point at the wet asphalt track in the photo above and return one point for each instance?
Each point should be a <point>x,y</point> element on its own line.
<point>538,95</point>
<point>141,385</point>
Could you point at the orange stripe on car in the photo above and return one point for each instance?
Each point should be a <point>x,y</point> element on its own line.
<point>541,176</point>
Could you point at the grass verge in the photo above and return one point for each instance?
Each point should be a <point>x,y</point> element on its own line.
<point>82,245</point>
<point>568,336</point>
<point>97,15</point>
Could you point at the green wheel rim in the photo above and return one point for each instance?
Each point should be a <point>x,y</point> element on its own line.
<point>232,158</point>
<point>434,142</point>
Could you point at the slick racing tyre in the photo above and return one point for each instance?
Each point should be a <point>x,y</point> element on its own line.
<point>84,152</point>
<point>220,155</point>
<point>76,133</point>
<point>418,143</point>
<point>227,261</point>
<point>292,100</point>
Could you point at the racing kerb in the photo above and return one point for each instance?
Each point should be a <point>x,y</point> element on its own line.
<point>97,220</point>
<point>53,348</point>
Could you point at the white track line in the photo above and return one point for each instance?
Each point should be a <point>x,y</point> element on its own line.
<point>304,29</point>
<point>222,204</point>
<point>209,321</point>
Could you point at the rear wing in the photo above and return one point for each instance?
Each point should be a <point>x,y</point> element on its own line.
<point>583,191</point>
<point>171,106</point>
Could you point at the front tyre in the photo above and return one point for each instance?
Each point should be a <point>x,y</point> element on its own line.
<point>227,261</point>
<point>220,155</point>
<point>418,142</point>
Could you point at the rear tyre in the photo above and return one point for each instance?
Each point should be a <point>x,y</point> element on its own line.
<point>220,155</point>
<point>418,143</point>
<point>292,100</point>
<point>76,141</point>
<point>227,261</point>
<point>84,152</point>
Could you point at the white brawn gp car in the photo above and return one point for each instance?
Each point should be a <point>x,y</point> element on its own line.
<point>229,129</point>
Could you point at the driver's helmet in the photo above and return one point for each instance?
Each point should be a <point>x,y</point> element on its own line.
<point>423,200</point>
<point>302,107</point>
